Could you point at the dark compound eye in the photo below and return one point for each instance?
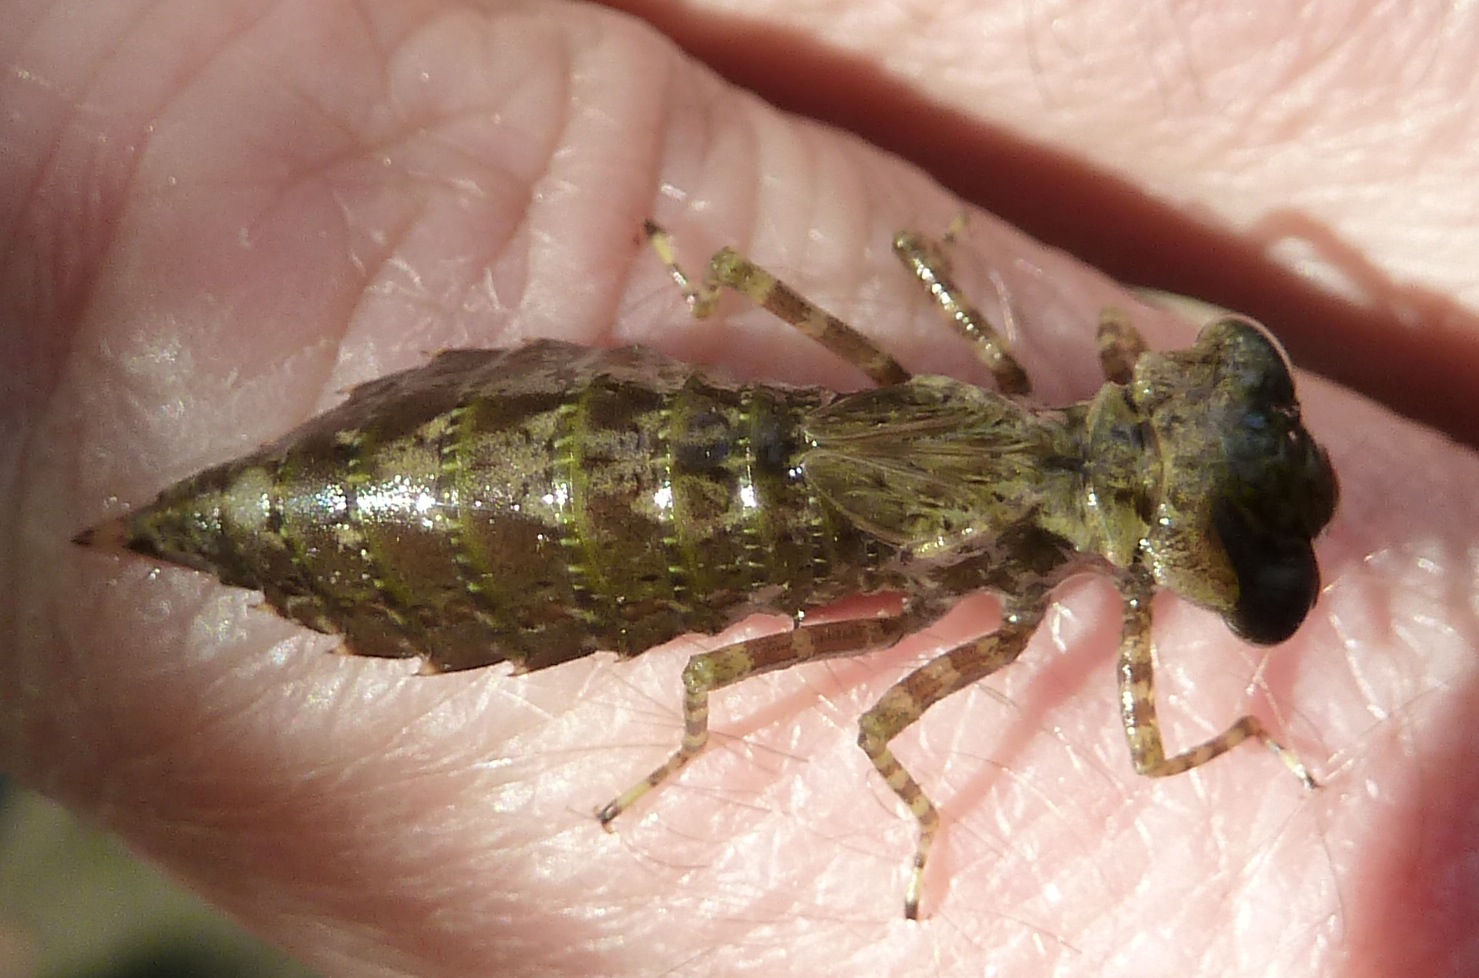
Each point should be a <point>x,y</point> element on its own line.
<point>1278,579</point>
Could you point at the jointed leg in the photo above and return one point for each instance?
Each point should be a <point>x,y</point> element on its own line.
<point>725,666</point>
<point>927,260</point>
<point>1137,703</point>
<point>1120,345</point>
<point>728,269</point>
<point>917,692</point>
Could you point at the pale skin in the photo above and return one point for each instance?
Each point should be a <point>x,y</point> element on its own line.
<point>219,218</point>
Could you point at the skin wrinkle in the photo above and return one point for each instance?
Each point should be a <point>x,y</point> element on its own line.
<point>65,294</point>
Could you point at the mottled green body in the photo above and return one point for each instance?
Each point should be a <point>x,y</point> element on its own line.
<point>530,505</point>
<point>539,504</point>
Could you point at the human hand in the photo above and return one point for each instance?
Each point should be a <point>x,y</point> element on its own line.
<point>221,217</point>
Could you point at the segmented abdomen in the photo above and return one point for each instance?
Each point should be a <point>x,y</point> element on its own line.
<point>532,505</point>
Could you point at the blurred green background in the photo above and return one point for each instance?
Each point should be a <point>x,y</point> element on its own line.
<point>75,904</point>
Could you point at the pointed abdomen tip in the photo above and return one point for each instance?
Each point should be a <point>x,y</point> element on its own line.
<point>108,535</point>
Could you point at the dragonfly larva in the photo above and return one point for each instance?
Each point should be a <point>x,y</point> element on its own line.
<point>538,504</point>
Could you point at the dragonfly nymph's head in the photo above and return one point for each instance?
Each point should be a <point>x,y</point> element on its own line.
<point>1243,489</point>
